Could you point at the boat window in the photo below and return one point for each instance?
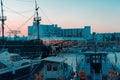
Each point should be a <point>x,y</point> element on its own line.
<point>93,61</point>
<point>103,59</point>
<point>49,67</point>
<point>88,60</point>
<point>24,63</point>
<point>51,79</point>
<point>96,56</point>
<point>16,58</point>
<point>93,56</point>
<point>2,65</point>
<point>97,61</point>
<point>55,68</point>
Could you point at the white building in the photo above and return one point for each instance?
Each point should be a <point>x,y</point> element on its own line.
<point>87,32</point>
<point>55,31</point>
<point>106,36</point>
<point>77,32</point>
<point>44,30</point>
<point>98,37</point>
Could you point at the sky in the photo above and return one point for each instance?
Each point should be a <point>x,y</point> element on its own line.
<point>101,15</point>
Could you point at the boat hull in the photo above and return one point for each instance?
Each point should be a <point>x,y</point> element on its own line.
<point>19,74</point>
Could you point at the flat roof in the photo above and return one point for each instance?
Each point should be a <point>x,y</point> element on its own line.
<point>62,38</point>
<point>94,53</point>
<point>54,59</point>
<point>99,52</point>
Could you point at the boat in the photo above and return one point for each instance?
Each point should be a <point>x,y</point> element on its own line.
<point>26,48</point>
<point>13,66</point>
<point>96,66</point>
<point>55,68</point>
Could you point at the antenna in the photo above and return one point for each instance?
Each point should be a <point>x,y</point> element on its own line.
<point>2,19</point>
<point>37,19</point>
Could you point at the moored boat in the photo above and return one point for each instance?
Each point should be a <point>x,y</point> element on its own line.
<point>55,68</point>
<point>96,66</point>
<point>13,66</point>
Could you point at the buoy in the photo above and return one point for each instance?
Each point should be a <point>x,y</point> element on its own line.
<point>82,74</point>
<point>112,74</point>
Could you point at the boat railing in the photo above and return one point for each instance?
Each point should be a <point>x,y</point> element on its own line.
<point>3,50</point>
<point>5,69</point>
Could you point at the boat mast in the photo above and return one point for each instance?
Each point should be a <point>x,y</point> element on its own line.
<point>2,19</point>
<point>37,19</point>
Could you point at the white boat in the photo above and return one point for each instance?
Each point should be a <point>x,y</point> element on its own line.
<point>55,68</point>
<point>13,66</point>
<point>96,66</point>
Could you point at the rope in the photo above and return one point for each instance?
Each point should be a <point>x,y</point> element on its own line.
<point>25,0</point>
<point>45,16</point>
<point>15,12</point>
<point>25,22</point>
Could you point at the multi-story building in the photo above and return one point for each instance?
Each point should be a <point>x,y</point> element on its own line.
<point>107,36</point>
<point>55,31</point>
<point>44,30</point>
<point>77,32</point>
<point>98,37</point>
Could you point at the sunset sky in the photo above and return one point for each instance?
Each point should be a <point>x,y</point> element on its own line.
<point>101,15</point>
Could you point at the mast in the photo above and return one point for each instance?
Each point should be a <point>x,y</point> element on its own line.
<point>2,19</point>
<point>37,19</point>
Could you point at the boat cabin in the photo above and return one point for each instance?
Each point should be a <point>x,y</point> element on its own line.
<point>96,65</point>
<point>55,68</point>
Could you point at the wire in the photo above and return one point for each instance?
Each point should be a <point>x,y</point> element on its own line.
<point>25,16</point>
<point>29,11</point>
<point>7,26</point>
<point>20,15</point>
<point>25,0</point>
<point>25,22</point>
<point>45,16</point>
<point>15,12</point>
<point>26,11</point>
<point>10,29</point>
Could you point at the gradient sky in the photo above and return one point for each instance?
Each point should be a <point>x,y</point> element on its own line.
<point>101,15</point>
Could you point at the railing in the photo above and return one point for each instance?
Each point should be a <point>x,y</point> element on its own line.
<point>5,70</point>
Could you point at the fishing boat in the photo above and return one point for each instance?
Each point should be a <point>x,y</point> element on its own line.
<point>55,68</point>
<point>96,66</point>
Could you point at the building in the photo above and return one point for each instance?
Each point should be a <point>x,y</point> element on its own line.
<point>77,32</point>
<point>107,37</point>
<point>98,37</point>
<point>45,30</point>
<point>55,31</point>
